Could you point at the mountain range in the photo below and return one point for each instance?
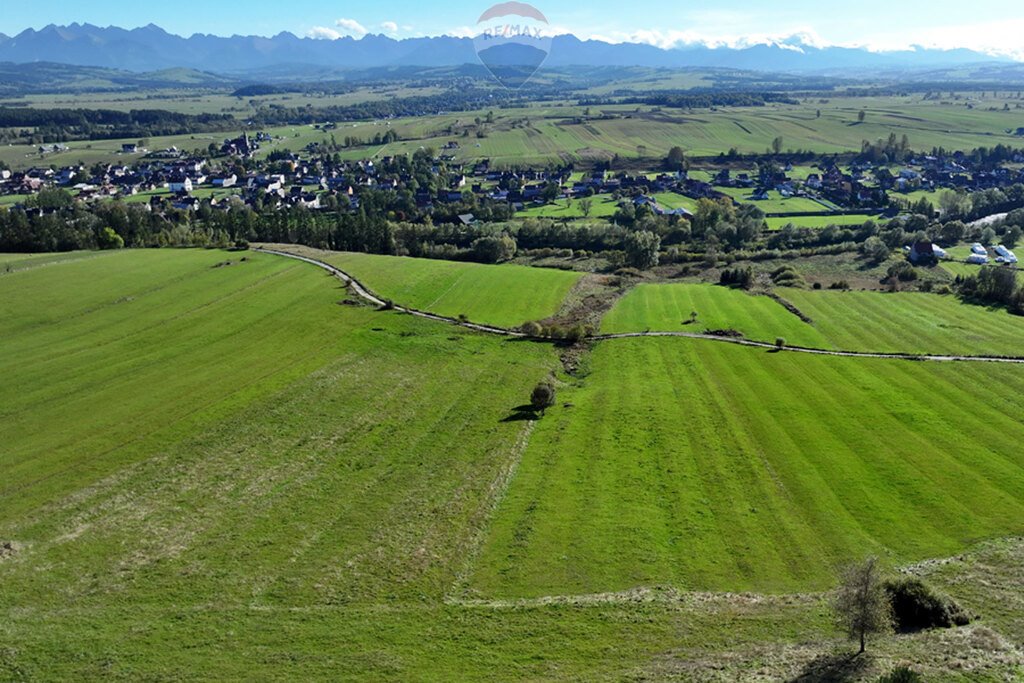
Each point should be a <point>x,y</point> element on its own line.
<point>150,48</point>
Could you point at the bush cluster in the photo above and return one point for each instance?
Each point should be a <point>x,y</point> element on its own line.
<point>915,606</point>
<point>787,276</point>
<point>570,334</point>
<point>742,278</point>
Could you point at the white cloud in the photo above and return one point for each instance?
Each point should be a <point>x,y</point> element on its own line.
<point>996,38</point>
<point>389,26</point>
<point>1000,38</point>
<point>323,33</point>
<point>351,27</point>
<point>463,32</point>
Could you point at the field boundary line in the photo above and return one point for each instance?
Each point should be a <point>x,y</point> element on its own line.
<point>368,295</point>
<point>938,358</point>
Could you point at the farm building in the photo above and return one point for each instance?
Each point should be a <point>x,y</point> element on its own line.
<point>925,253</point>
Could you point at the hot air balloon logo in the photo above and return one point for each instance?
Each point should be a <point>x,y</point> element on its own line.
<point>513,42</point>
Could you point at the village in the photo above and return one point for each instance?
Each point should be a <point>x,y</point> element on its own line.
<point>316,180</point>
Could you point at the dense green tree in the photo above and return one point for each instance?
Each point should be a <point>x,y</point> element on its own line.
<point>676,160</point>
<point>642,249</point>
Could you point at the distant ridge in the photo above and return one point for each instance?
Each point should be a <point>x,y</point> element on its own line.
<point>150,48</point>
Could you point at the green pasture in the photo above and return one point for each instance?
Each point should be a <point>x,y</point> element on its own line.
<point>602,206</point>
<point>544,134</point>
<point>909,323</point>
<point>11,262</point>
<point>214,470</point>
<point>506,295</point>
<point>775,203</point>
<point>715,467</point>
<point>822,221</point>
<point>667,308</point>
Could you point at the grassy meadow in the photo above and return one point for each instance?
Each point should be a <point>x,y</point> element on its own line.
<point>667,308</point>
<point>549,133</point>
<point>505,296</point>
<point>909,323</point>
<point>213,470</point>
<point>775,223</point>
<point>714,467</point>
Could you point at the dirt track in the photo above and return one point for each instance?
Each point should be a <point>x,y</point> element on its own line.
<point>366,294</point>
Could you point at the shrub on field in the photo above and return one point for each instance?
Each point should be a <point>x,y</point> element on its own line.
<point>1016,304</point>
<point>738,277</point>
<point>901,674</point>
<point>108,239</point>
<point>915,606</point>
<point>840,285</point>
<point>532,329</point>
<point>875,250</point>
<point>902,271</point>
<point>542,398</point>
<point>576,334</point>
<point>787,276</point>
<point>629,272</point>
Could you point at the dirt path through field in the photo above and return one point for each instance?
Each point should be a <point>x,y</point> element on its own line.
<point>372,298</point>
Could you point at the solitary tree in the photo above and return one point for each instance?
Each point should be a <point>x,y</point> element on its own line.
<point>542,398</point>
<point>586,206</point>
<point>777,145</point>
<point>861,605</point>
<point>861,116</point>
<point>550,192</point>
<point>676,159</point>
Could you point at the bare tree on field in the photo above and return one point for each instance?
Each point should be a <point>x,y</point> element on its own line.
<point>861,605</point>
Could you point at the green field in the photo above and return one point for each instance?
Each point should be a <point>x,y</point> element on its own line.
<point>506,296</point>
<point>714,467</point>
<point>822,221</point>
<point>12,199</point>
<point>909,323</point>
<point>775,203</point>
<point>602,206</point>
<point>13,262</point>
<point>664,308</point>
<point>212,470</point>
<point>551,133</point>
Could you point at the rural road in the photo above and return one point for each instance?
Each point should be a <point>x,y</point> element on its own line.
<point>369,296</point>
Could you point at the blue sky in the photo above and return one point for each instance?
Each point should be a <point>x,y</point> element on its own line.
<point>991,25</point>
